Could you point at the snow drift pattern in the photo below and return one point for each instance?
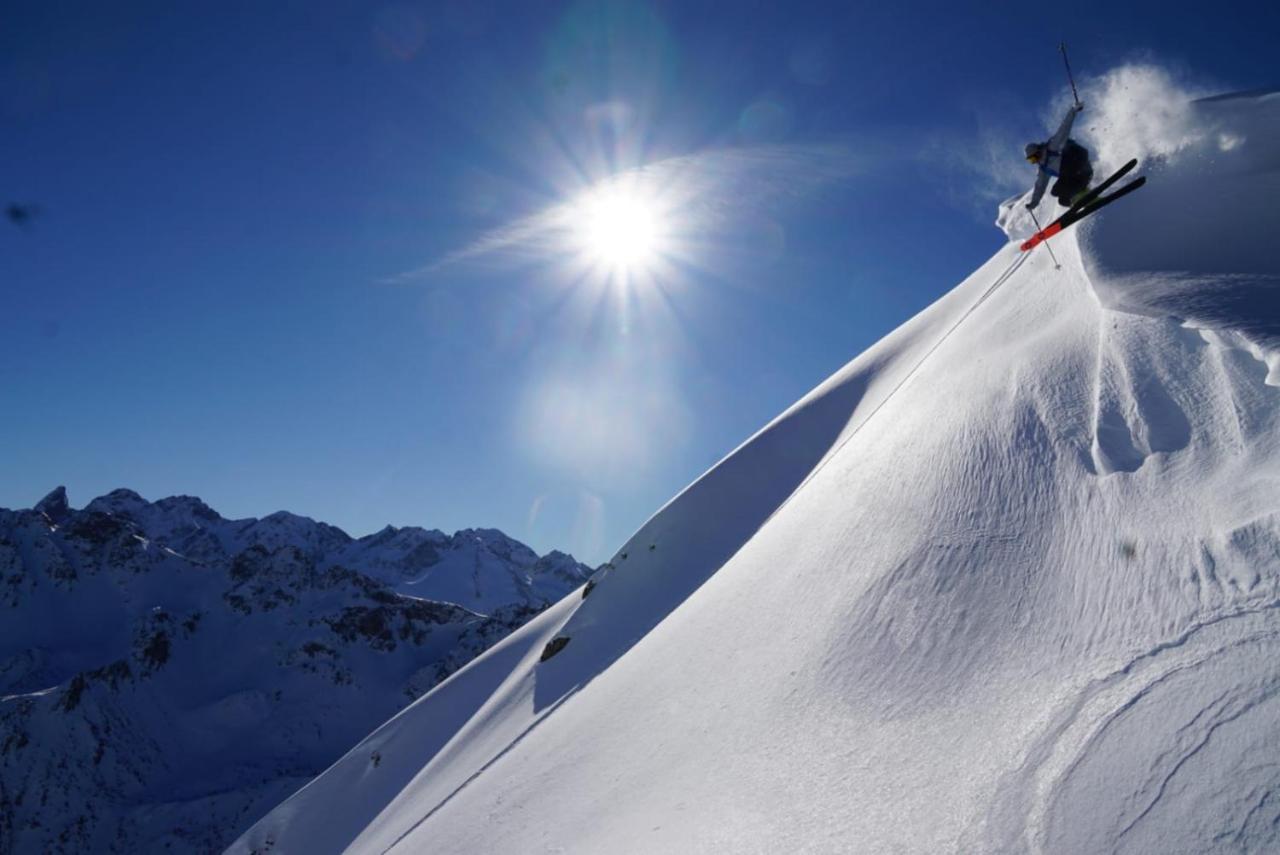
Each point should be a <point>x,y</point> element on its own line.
<point>1007,582</point>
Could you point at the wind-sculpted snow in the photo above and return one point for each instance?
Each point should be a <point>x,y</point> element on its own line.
<point>1008,582</point>
<point>1174,752</point>
<point>167,675</point>
<point>1200,244</point>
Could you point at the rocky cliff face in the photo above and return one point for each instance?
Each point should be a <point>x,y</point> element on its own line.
<point>168,675</point>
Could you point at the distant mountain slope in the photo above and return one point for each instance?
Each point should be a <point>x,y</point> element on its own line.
<point>480,569</point>
<point>1007,582</point>
<point>167,675</point>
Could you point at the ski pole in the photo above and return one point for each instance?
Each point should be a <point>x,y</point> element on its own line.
<point>1034,219</point>
<point>1062,46</point>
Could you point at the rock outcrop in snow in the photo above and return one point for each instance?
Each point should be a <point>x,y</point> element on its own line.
<point>1007,582</point>
<point>167,675</point>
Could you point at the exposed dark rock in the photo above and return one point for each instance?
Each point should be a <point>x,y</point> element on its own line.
<point>553,647</point>
<point>54,506</point>
<point>192,622</point>
<point>248,563</point>
<point>112,675</point>
<point>96,528</point>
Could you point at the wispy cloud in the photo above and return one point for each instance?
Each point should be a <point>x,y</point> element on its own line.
<point>702,193</point>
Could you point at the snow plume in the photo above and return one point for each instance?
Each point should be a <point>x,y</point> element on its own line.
<point>980,172</point>
<point>1138,110</point>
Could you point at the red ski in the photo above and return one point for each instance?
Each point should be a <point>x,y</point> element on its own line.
<point>1043,235</point>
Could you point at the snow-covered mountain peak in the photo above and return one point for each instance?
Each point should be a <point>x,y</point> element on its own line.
<point>120,502</point>
<point>479,568</point>
<point>190,507</point>
<point>498,543</point>
<point>404,539</point>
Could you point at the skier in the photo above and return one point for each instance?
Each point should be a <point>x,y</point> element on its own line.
<point>1062,158</point>
<point>1065,159</point>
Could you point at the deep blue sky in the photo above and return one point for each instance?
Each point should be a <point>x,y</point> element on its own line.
<point>209,301</point>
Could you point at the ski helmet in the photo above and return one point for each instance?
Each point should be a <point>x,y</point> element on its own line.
<point>1034,152</point>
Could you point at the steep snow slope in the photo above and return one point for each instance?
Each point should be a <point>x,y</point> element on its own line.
<point>156,699</point>
<point>1006,582</point>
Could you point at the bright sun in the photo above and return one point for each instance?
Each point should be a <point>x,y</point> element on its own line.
<point>619,229</point>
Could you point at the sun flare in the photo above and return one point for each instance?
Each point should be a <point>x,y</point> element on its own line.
<point>619,229</point>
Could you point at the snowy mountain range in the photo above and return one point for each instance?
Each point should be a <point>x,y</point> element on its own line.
<point>1009,581</point>
<point>167,675</point>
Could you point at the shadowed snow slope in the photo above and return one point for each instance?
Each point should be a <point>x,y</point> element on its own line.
<point>1006,582</point>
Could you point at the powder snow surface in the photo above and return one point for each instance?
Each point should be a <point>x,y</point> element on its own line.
<point>1007,582</point>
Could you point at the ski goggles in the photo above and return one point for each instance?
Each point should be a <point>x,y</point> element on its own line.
<point>1034,157</point>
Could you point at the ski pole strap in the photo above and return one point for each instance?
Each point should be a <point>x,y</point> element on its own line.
<point>1062,46</point>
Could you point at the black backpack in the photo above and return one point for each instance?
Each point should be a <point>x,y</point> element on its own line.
<point>1075,162</point>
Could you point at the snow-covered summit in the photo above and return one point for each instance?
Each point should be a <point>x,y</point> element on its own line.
<point>1007,582</point>
<point>481,569</point>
